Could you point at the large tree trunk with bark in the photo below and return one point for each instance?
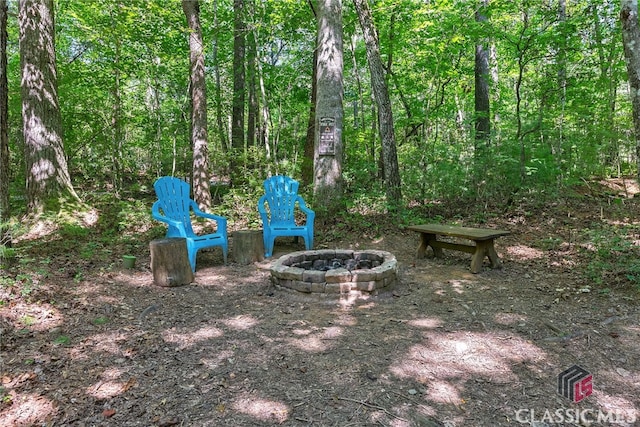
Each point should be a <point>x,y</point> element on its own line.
<point>385,115</point>
<point>5,235</point>
<point>328,147</point>
<point>199,129</point>
<point>47,174</point>
<point>631,41</point>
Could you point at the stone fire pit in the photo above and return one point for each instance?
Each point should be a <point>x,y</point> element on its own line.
<point>335,272</point>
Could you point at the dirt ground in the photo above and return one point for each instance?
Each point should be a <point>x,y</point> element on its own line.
<point>444,348</point>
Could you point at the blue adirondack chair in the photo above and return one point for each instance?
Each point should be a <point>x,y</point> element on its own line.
<point>277,210</point>
<point>175,206</point>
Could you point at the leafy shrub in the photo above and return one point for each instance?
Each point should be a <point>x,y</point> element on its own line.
<point>613,256</point>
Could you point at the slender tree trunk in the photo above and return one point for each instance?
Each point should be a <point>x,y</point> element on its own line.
<point>199,128</point>
<point>265,113</point>
<point>495,93</point>
<point>222,128</point>
<point>328,146</point>
<point>252,108</point>
<point>519,132</point>
<point>47,174</point>
<point>482,73</point>
<point>556,148</point>
<point>631,41</point>
<point>237,120</point>
<point>385,115</point>
<point>521,52</point>
<point>607,51</point>
<point>358,122</point>
<point>482,135</point>
<point>307,160</point>
<point>116,114</point>
<point>5,234</point>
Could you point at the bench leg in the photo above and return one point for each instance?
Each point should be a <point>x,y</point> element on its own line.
<point>425,242</point>
<point>484,248</point>
<point>422,247</point>
<point>493,256</point>
<point>478,257</point>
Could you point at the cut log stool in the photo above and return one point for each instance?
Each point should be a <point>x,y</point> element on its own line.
<point>170,262</point>
<point>248,246</point>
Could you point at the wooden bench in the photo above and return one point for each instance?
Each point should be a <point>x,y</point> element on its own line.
<point>482,237</point>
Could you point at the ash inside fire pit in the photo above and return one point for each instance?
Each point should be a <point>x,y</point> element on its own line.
<point>336,272</point>
<point>332,264</point>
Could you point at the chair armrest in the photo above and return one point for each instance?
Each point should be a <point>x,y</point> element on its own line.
<point>303,206</point>
<point>263,211</point>
<point>308,211</point>
<point>221,220</point>
<point>155,213</point>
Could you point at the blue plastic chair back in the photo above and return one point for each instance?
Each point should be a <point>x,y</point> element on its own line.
<point>281,197</point>
<point>175,207</point>
<point>175,202</point>
<point>281,193</point>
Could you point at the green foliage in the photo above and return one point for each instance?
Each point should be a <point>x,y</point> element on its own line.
<point>102,320</point>
<point>28,320</point>
<point>549,243</point>
<point>7,253</point>
<point>5,396</point>
<point>240,205</point>
<point>62,340</point>
<point>614,256</point>
<point>73,231</point>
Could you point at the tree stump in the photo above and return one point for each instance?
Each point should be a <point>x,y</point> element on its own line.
<point>170,262</point>
<point>248,246</point>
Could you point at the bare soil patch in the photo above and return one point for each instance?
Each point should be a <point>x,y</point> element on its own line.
<point>98,345</point>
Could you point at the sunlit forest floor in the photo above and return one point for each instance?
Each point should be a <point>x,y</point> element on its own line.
<point>85,342</point>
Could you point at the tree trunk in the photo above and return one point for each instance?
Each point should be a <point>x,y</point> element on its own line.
<point>116,109</point>
<point>307,160</point>
<point>631,42</point>
<point>116,122</point>
<point>5,234</point>
<point>328,146</point>
<point>47,174</point>
<point>481,97</point>
<point>556,147</point>
<point>265,136</point>
<point>482,73</point>
<point>385,115</point>
<point>237,114</point>
<point>252,107</point>
<point>222,129</point>
<point>199,129</point>
<point>358,104</point>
